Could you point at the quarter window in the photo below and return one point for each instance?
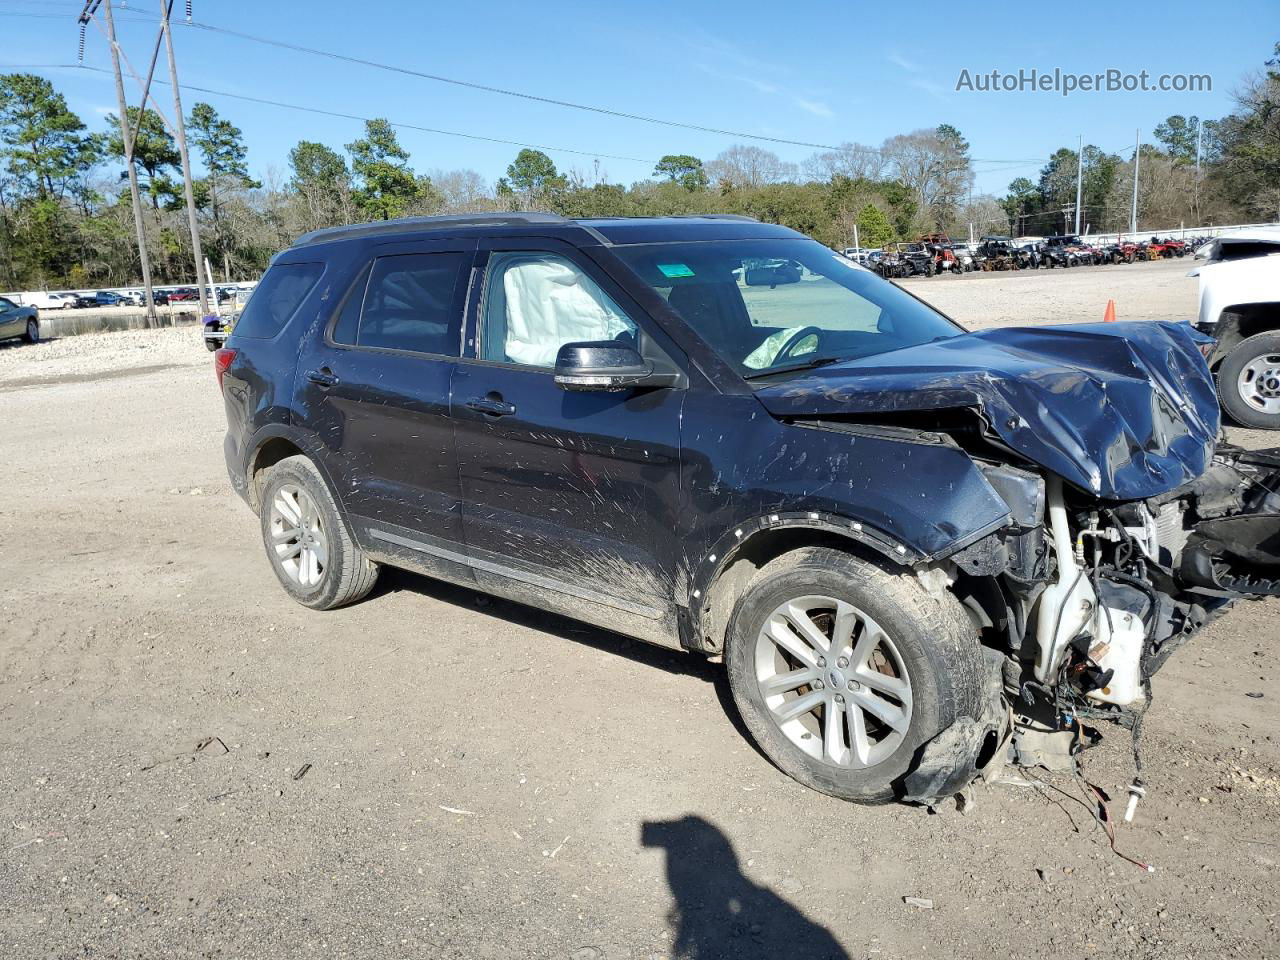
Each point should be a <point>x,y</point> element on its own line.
<point>537,302</point>
<point>277,298</point>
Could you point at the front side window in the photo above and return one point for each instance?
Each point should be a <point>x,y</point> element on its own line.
<point>775,305</point>
<point>537,302</point>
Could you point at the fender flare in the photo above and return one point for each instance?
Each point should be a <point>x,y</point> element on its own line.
<point>704,574</point>
<point>304,441</point>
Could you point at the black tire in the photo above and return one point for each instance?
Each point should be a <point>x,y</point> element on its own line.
<point>933,636</point>
<point>1240,410</point>
<point>33,332</point>
<point>348,574</point>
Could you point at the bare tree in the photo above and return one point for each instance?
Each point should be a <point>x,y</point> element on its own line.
<point>852,160</point>
<point>747,166</point>
<point>934,165</point>
<point>462,190</point>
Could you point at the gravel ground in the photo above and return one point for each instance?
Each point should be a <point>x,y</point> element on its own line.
<point>62,359</point>
<point>195,766</point>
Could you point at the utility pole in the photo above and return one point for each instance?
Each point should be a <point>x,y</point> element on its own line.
<point>1137,150</point>
<point>1199,131</point>
<point>1079,180</point>
<point>126,133</point>
<point>180,128</point>
<point>856,245</point>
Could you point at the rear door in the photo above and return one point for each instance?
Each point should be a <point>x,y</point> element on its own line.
<point>571,493</point>
<point>374,384</point>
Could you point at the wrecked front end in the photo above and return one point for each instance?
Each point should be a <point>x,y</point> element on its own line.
<point>1130,525</point>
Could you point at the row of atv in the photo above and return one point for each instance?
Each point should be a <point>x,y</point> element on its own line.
<point>935,254</point>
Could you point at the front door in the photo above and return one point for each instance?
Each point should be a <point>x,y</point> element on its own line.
<point>375,383</point>
<point>571,493</point>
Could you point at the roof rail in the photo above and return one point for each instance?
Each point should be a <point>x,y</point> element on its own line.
<point>722,216</point>
<point>410,224</point>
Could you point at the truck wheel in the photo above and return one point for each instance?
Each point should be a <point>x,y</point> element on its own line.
<point>316,561</point>
<point>843,670</point>
<point>1249,382</point>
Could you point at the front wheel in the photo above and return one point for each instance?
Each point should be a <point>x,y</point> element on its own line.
<point>313,556</point>
<point>33,332</point>
<point>1249,382</point>
<point>843,670</point>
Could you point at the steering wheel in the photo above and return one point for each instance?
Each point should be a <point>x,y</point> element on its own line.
<point>795,340</point>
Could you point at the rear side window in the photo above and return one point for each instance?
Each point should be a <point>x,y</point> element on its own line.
<point>277,298</point>
<point>410,302</point>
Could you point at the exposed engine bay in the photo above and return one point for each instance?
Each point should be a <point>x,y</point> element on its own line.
<point>1094,596</point>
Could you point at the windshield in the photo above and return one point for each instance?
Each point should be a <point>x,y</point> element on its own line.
<point>773,305</point>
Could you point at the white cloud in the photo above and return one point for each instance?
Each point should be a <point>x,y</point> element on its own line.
<point>817,108</point>
<point>894,57</point>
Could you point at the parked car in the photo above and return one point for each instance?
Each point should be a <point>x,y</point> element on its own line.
<point>18,321</point>
<point>108,298</point>
<point>1240,309</point>
<point>918,551</point>
<point>858,254</point>
<point>183,294</point>
<point>42,300</point>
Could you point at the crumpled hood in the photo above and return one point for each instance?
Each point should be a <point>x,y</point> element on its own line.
<point>1121,410</point>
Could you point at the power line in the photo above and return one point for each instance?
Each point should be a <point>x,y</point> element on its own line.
<point>569,104</point>
<point>335,113</point>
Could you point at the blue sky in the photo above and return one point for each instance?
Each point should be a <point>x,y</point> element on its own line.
<point>817,72</point>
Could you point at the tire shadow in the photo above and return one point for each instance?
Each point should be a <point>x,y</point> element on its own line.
<point>719,912</point>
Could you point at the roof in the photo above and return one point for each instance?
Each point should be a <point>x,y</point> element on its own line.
<point>606,231</point>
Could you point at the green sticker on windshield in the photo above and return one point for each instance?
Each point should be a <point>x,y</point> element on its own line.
<point>675,270</point>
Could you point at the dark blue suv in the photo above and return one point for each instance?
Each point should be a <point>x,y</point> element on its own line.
<point>916,549</point>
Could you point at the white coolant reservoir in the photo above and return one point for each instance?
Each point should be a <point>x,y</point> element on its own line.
<point>1067,606</point>
<point>1121,639</point>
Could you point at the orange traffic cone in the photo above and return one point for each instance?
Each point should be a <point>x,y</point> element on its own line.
<point>1110,315</point>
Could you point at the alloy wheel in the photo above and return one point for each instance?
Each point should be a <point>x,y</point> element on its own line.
<point>299,544</point>
<point>833,681</point>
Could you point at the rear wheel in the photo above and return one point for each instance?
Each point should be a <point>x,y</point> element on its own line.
<point>1249,382</point>
<point>313,556</point>
<point>842,670</point>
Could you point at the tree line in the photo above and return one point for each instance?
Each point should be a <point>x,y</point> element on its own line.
<point>66,220</point>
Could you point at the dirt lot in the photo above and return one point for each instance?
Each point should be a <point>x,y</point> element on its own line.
<point>433,774</point>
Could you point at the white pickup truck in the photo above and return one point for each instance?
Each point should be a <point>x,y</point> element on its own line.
<point>1240,308</point>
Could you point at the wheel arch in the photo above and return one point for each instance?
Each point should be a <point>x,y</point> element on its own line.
<point>1238,323</point>
<point>276,442</point>
<point>722,576</point>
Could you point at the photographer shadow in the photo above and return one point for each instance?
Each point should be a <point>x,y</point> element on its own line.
<point>720,913</point>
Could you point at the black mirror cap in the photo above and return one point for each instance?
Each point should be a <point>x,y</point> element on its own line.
<point>600,365</point>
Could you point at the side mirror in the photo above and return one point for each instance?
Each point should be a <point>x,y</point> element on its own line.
<point>606,365</point>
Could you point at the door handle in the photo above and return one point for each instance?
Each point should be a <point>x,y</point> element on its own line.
<point>493,405</point>
<point>323,377</point>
